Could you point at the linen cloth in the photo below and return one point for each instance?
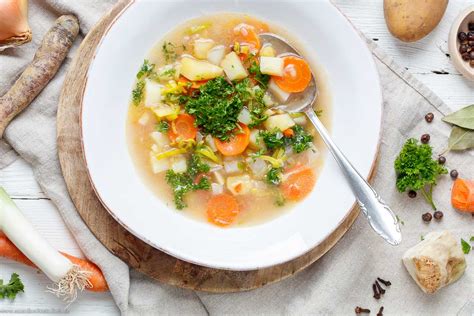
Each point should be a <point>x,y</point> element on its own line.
<point>333,285</point>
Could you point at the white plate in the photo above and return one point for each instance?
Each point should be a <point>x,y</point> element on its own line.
<point>357,107</point>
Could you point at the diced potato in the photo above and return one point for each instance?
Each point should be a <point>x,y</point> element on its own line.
<point>195,70</point>
<point>219,177</point>
<point>300,120</point>
<point>239,184</point>
<point>271,66</point>
<point>244,116</point>
<point>267,50</point>
<point>258,167</point>
<point>232,166</point>
<point>217,188</point>
<point>280,121</point>
<point>178,163</point>
<point>267,99</point>
<point>152,93</point>
<point>233,67</point>
<point>202,47</point>
<point>279,94</point>
<point>169,72</point>
<point>216,54</point>
<point>210,141</point>
<point>255,141</point>
<point>144,118</point>
<point>163,110</point>
<point>160,139</point>
<point>158,165</point>
<point>260,188</point>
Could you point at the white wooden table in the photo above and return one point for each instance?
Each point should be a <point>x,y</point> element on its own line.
<point>427,59</point>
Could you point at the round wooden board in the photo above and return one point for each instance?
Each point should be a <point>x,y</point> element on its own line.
<point>136,253</point>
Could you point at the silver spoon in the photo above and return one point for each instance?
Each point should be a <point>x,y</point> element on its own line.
<point>380,216</point>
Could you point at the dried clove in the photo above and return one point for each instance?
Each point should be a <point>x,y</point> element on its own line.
<point>376,291</point>
<point>380,313</point>
<point>386,283</point>
<point>359,310</point>
<point>381,290</point>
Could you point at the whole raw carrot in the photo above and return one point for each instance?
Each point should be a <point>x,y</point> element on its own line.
<point>49,56</point>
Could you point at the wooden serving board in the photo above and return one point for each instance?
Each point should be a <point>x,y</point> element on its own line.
<point>136,253</point>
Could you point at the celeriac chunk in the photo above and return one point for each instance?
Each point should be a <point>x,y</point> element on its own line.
<point>233,67</point>
<point>216,54</point>
<point>158,165</point>
<point>435,262</point>
<point>280,121</point>
<point>160,139</point>
<point>277,92</point>
<point>271,66</point>
<point>178,163</point>
<point>239,184</point>
<point>195,70</point>
<point>152,93</point>
<point>244,116</point>
<point>202,47</point>
<point>255,141</point>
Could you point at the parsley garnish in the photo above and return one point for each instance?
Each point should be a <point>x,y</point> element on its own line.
<point>12,288</point>
<point>146,69</point>
<point>253,97</point>
<point>273,176</point>
<point>162,126</point>
<point>169,51</point>
<point>182,183</point>
<point>262,79</point>
<point>137,93</point>
<point>417,170</point>
<point>300,141</point>
<point>216,108</point>
<point>466,247</point>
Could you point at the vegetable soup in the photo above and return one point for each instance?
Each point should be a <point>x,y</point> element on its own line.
<point>207,128</point>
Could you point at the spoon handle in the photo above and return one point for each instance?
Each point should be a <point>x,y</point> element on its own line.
<point>379,214</point>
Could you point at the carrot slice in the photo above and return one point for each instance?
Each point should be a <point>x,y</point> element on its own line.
<point>183,128</point>
<point>289,132</point>
<point>296,75</point>
<point>96,278</point>
<point>462,195</point>
<point>222,209</point>
<point>236,144</point>
<point>298,184</point>
<point>246,34</point>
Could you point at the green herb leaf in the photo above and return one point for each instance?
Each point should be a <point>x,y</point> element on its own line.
<point>162,126</point>
<point>169,51</point>
<point>417,170</point>
<point>399,220</point>
<point>262,79</point>
<point>422,237</point>
<point>146,69</point>
<point>461,139</point>
<point>274,176</point>
<point>185,182</point>
<point>466,247</point>
<point>462,118</point>
<point>301,141</point>
<point>137,93</point>
<point>471,239</point>
<point>12,288</point>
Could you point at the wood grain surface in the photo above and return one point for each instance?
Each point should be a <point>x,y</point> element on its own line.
<point>133,251</point>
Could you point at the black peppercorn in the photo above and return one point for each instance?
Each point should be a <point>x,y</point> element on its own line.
<point>454,174</point>
<point>462,36</point>
<point>471,63</point>
<point>425,138</point>
<point>442,160</point>
<point>427,217</point>
<point>470,26</point>
<point>412,194</point>
<point>438,215</point>
<point>465,56</point>
<point>471,55</point>
<point>463,48</point>
<point>429,117</point>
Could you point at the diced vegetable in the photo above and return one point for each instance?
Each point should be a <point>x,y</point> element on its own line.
<point>233,67</point>
<point>267,100</point>
<point>144,118</point>
<point>178,164</point>
<point>299,119</point>
<point>169,72</point>
<point>232,166</point>
<point>219,177</point>
<point>182,128</point>
<point>152,93</point>
<point>246,34</point>
<point>198,28</point>
<point>239,184</point>
<point>267,50</point>
<point>195,70</point>
<point>158,165</point>
<point>298,183</point>
<point>210,141</point>
<point>207,152</point>
<point>258,167</point>
<point>255,140</point>
<point>271,66</point>
<point>222,209</point>
<point>281,95</point>
<point>296,75</point>
<point>244,116</point>
<point>164,110</point>
<point>160,139</point>
<point>217,188</point>
<point>236,144</point>
<point>216,54</point>
<point>280,122</point>
<point>202,47</point>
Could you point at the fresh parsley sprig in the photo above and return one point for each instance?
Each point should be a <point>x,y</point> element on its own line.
<point>12,288</point>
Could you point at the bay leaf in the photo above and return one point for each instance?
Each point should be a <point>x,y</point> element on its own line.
<point>462,118</point>
<point>461,139</point>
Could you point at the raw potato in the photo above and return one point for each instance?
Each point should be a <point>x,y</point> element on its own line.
<point>49,56</point>
<point>435,262</point>
<point>411,20</point>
